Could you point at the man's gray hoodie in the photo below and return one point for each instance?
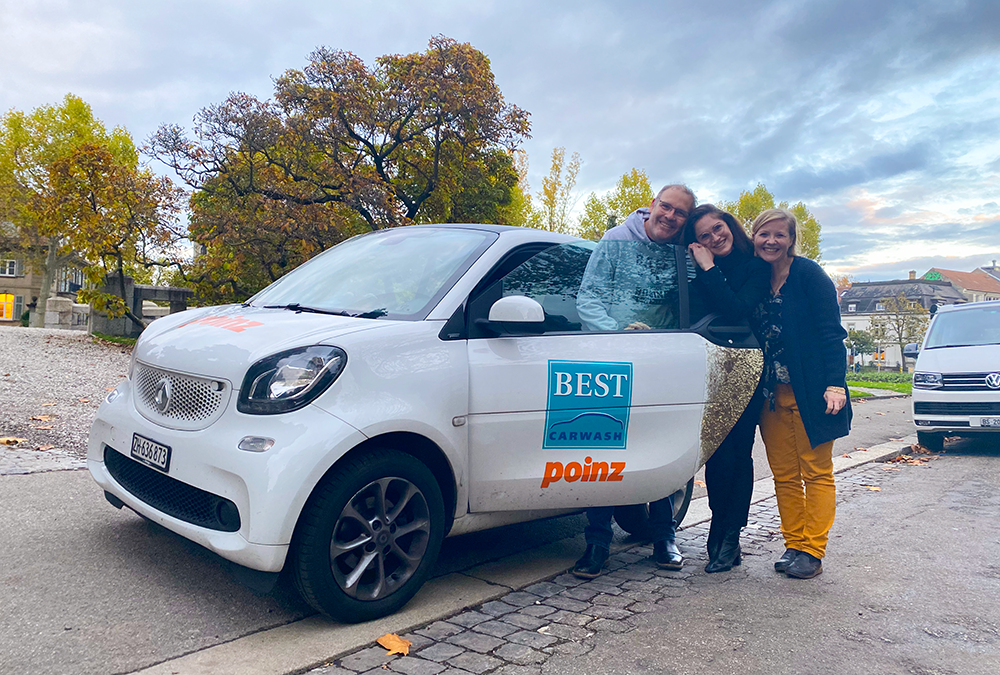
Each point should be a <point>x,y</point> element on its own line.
<point>631,278</point>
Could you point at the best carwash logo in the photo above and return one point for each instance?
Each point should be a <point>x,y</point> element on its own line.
<point>588,405</point>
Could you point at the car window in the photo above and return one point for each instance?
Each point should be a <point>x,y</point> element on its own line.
<point>965,327</point>
<point>608,286</point>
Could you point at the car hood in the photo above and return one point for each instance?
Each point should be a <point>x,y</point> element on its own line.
<point>223,342</point>
<point>978,359</point>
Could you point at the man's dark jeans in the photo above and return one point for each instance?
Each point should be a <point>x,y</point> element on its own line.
<point>661,522</point>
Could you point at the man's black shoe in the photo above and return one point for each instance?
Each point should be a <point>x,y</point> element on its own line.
<point>592,562</point>
<point>728,556</point>
<point>667,555</point>
<point>805,566</point>
<point>782,563</point>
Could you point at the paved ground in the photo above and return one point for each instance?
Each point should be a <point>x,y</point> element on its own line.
<point>910,586</point>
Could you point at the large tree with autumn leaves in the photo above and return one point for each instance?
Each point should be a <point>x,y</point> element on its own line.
<point>342,148</point>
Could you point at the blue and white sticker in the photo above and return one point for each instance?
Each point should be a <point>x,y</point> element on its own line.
<point>588,405</point>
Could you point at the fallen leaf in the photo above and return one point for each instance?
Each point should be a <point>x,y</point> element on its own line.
<point>891,468</point>
<point>47,446</point>
<point>6,374</point>
<point>879,413</point>
<point>861,449</point>
<point>83,400</point>
<point>700,483</point>
<point>44,428</point>
<point>395,644</point>
<point>847,455</point>
<point>109,389</point>
<point>48,405</point>
<point>895,439</point>
<point>43,418</point>
<point>874,488</point>
<point>10,440</point>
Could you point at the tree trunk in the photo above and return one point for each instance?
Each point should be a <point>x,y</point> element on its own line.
<point>48,276</point>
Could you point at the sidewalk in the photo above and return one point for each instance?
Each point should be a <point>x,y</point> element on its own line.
<point>526,609</point>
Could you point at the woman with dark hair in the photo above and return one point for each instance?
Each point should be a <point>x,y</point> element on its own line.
<point>733,283</point>
<point>806,403</point>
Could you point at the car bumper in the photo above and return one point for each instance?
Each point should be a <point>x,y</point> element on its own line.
<point>956,412</point>
<point>268,489</point>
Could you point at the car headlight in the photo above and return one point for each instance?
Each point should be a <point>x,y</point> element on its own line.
<point>927,380</point>
<point>290,380</point>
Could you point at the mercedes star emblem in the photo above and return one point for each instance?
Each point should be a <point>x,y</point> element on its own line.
<point>993,380</point>
<point>163,394</point>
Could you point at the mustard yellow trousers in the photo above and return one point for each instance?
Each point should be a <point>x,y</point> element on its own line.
<point>803,475</point>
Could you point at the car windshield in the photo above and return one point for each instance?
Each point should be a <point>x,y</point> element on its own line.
<point>965,328</point>
<point>398,274</point>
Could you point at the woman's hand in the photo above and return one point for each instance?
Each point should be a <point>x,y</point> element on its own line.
<point>637,325</point>
<point>702,256</point>
<point>834,401</point>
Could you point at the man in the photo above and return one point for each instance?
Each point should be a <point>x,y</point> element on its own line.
<point>631,284</point>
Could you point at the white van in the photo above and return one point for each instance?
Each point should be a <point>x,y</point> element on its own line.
<point>956,383</point>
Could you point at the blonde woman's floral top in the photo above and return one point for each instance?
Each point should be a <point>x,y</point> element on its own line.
<point>767,316</point>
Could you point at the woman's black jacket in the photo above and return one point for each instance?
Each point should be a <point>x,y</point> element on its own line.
<point>735,285</point>
<point>814,348</point>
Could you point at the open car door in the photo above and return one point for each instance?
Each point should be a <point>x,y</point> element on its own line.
<point>573,411</point>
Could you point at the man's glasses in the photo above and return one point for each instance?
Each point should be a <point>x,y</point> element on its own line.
<point>670,208</point>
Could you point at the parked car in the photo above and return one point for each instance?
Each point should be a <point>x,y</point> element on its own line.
<point>956,382</point>
<point>403,386</point>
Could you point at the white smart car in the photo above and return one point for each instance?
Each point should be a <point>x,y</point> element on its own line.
<point>956,382</point>
<point>406,385</point>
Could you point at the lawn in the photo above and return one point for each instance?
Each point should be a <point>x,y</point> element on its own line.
<point>901,387</point>
<point>859,393</point>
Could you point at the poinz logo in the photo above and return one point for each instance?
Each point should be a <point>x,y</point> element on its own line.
<point>588,405</point>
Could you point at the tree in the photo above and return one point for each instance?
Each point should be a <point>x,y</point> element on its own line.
<point>900,322</point>
<point>632,191</point>
<point>118,216</point>
<point>860,342</point>
<point>519,210</point>
<point>30,146</point>
<point>556,197</point>
<point>750,204</point>
<point>387,143</point>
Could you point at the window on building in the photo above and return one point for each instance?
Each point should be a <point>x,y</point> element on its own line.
<point>879,306</point>
<point>850,326</point>
<point>6,306</point>
<point>70,280</point>
<point>852,307</point>
<point>8,268</point>
<point>18,306</point>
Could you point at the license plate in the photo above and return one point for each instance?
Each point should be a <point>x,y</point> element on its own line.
<point>151,453</point>
<point>989,422</point>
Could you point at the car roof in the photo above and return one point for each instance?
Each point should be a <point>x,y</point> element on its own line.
<point>507,230</point>
<point>993,304</point>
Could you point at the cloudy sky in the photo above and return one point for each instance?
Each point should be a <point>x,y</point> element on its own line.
<point>883,117</point>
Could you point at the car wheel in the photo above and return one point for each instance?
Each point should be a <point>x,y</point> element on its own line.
<point>369,536</point>
<point>634,518</point>
<point>933,442</point>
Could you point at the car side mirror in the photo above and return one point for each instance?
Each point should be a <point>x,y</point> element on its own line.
<point>515,315</point>
<point>911,350</point>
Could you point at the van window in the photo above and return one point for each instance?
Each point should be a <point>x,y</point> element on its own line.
<point>965,328</point>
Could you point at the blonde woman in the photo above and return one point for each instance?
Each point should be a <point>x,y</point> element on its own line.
<point>806,405</point>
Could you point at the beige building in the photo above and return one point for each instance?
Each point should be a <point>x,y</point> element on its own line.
<point>20,286</point>
<point>976,285</point>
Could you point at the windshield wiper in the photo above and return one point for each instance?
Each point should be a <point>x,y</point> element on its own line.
<point>296,307</point>
<point>372,314</point>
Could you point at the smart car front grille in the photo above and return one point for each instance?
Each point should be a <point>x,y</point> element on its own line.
<point>171,496</point>
<point>955,408</point>
<point>176,400</point>
<point>964,382</point>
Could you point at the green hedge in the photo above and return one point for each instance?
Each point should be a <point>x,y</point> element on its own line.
<point>869,376</point>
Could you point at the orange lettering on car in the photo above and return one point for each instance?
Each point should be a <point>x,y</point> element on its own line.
<point>588,472</point>
<point>237,324</point>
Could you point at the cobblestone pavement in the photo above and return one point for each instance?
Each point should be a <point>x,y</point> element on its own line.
<point>518,633</point>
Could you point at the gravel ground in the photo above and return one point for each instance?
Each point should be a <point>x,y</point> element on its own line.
<point>63,374</point>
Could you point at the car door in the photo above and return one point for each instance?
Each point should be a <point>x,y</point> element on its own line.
<point>587,413</point>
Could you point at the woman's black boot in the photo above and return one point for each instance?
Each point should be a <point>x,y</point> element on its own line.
<point>728,555</point>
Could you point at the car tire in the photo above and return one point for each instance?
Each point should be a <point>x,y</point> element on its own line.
<point>634,518</point>
<point>933,442</point>
<point>348,559</point>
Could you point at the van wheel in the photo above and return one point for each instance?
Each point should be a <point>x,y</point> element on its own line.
<point>369,536</point>
<point>933,442</point>
<point>634,518</point>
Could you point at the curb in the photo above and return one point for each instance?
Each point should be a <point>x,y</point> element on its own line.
<point>308,643</point>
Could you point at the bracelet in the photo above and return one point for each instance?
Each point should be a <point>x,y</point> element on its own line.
<point>837,390</point>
